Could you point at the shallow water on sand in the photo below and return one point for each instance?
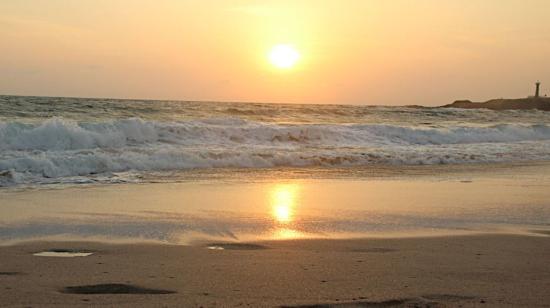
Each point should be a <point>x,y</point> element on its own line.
<point>285,204</point>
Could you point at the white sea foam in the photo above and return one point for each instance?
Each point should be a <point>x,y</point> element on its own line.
<point>57,147</point>
<point>58,134</point>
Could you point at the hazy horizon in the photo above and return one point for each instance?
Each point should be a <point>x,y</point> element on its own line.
<point>351,52</point>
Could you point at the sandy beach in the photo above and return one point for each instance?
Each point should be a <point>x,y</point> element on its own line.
<point>451,271</point>
<point>274,153</point>
<point>428,237</point>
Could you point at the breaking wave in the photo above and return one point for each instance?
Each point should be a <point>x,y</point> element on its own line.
<point>59,147</point>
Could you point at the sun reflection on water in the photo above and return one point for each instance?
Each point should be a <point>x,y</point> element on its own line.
<point>283,198</point>
<point>283,210</point>
<point>287,234</point>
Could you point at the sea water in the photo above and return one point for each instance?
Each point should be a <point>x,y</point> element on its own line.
<point>46,140</point>
<point>177,172</point>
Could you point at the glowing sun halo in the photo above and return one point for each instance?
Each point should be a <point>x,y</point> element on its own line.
<point>283,56</point>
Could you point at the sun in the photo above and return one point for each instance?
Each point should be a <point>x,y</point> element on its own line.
<point>283,56</point>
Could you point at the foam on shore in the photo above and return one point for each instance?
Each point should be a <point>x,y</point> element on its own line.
<point>57,147</point>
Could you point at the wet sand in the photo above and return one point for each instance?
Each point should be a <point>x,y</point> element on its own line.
<point>468,271</point>
<point>273,205</point>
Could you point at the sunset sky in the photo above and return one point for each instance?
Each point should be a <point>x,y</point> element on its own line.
<point>356,51</point>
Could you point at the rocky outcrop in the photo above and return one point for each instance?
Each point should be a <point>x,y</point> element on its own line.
<point>540,103</point>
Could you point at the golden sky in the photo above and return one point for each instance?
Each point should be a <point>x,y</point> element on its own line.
<point>351,51</point>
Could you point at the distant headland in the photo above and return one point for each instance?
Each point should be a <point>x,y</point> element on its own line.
<point>531,102</point>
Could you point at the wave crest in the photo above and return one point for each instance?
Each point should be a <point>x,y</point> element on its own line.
<point>59,134</point>
<point>62,148</point>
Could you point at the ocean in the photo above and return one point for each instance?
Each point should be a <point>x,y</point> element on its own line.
<point>177,172</point>
<point>55,140</point>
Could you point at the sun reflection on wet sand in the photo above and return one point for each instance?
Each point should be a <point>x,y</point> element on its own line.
<point>283,199</point>
<point>283,210</point>
<point>287,234</point>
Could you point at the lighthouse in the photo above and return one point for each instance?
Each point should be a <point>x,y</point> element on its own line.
<point>537,88</point>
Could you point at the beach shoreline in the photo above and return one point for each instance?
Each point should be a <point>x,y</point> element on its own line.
<point>476,251</point>
<point>284,204</point>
